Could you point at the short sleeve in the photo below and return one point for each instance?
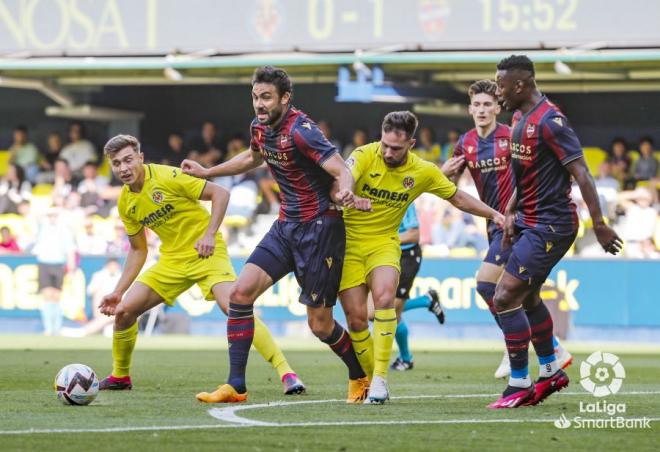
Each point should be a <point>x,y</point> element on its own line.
<point>183,184</point>
<point>439,185</point>
<point>561,139</point>
<point>131,225</point>
<point>358,161</point>
<point>458,148</point>
<point>311,142</point>
<point>254,145</point>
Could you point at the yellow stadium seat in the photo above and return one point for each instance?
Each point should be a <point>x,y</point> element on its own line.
<point>4,162</point>
<point>463,252</point>
<point>656,235</point>
<point>42,190</point>
<point>104,169</point>
<point>236,221</point>
<point>594,157</point>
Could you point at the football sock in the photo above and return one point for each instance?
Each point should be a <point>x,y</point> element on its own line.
<point>265,344</point>
<point>423,301</point>
<point>363,344</point>
<point>340,343</point>
<point>123,343</point>
<point>401,337</point>
<point>384,330</point>
<point>240,331</point>
<point>517,335</point>
<point>541,325</point>
<point>487,292</point>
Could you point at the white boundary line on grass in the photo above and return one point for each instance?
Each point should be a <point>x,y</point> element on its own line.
<point>228,414</point>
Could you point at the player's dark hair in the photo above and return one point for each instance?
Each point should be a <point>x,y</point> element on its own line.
<point>483,86</point>
<point>21,128</point>
<point>119,142</point>
<point>519,62</point>
<point>404,121</point>
<point>274,76</point>
<point>647,139</point>
<point>620,140</point>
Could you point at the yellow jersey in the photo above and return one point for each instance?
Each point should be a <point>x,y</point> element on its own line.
<point>168,205</point>
<point>391,191</point>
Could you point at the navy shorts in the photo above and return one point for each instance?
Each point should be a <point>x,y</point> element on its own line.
<point>496,255</point>
<point>313,251</point>
<point>536,251</point>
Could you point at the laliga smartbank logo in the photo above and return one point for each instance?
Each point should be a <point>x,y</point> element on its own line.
<point>602,374</point>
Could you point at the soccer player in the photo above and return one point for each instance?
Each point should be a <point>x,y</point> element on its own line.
<point>411,260</point>
<point>388,178</point>
<point>166,201</point>
<point>485,152</point>
<point>308,238</point>
<point>541,217</point>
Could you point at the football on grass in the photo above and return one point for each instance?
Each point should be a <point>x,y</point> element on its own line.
<point>76,384</point>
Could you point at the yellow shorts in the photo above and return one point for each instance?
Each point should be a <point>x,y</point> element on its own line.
<point>170,277</point>
<point>362,256</point>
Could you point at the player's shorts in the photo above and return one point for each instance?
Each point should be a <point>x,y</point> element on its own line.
<point>51,275</point>
<point>171,276</point>
<point>362,256</point>
<point>536,251</point>
<point>312,250</point>
<point>411,260</point>
<point>496,255</point>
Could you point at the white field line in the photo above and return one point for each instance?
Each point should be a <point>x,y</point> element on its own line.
<point>228,414</point>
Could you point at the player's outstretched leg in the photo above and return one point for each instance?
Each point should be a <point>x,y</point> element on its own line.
<point>430,301</point>
<point>404,361</point>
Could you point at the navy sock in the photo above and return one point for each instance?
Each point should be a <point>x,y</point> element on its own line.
<point>423,301</point>
<point>340,342</point>
<point>240,331</point>
<point>487,292</point>
<point>401,337</point>
<point>541,325</point>
<point>517,334</point>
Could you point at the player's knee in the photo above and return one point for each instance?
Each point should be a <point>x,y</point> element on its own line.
<point>357,323</point>
<point>241,294</point>
<point>487,291</point>
<point>505,298</point>
<point>384,297</point>
<point>124,317</point>
<point>321,328</point>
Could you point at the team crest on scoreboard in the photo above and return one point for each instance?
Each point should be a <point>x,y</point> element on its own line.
<point>531,128</point>
<point>408,182</point>
<point>432,15</point>
<point>503,143</point>
<point>157,196</point>
<point>267,19</point>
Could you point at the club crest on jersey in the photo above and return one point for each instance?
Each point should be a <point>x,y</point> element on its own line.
<point>157,197</point>
<point>350,162</point>
<point>284,139</point>
<point>408,182</point>
<point>503,143</point>
<point>470,149</point>
<point>531,128</point>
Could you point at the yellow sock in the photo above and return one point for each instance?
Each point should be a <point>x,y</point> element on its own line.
<point>384,330</point>
<point>265,344</point>
<point>363,344</point>
<point>123,343</point>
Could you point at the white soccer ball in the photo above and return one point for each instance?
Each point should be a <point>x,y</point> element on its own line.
<point>76,384</point>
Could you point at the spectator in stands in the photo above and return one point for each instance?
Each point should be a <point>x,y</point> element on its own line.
<point>47,160</point>
<point>89,242</point>
<point>64,183</point>
<point>448,147</point>
<point>646,166</point>
<point>619,160</point>
<point>360,138</point>
<point>607,187</point>
<point>326,129</point>
<point>24,153</point>
<point>207,149</point>
<point>639,223</point>
<point>14,188</point>
<point>8,245</point>
<point>79,150</point>
<point>91,188</point>
<point>119,245</point>
<point>175,153</point>
<point>458,230</point>
<point>54,250</point>
<point>102,283</point>
<point>426,146</point>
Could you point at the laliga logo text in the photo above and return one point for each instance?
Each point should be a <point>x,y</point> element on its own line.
<point>602,374</point>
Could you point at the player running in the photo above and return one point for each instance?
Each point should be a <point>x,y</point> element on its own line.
<point>308,238</point>
<point>388,178</point>
<point>542,220</point>
<point>166,201</point>
<point>485,152</point>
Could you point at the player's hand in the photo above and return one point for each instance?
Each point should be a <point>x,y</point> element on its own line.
<point>192,168</point>
<point>344,198</point>
<point>362,204</point>
<point>205,246</point>
<point>453,166</point>
<point>109,303</point>
<point>607,238</point>
<point>498,219</point>
<point>508,228</point>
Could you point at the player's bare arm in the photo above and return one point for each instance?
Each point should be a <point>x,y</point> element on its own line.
<point>137,255</point>
<point>606,236</point>
<point>243,162</point>
<point>453,168</point>
<point>219,198</point>
<point>409,236</point>
<point>509,218</point>
<point>469,204</point>
<point>342,187</point>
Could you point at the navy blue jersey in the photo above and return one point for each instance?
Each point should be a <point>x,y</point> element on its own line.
<point>294,152</point>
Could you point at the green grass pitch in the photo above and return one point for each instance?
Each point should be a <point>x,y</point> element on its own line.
<point>440,405</point>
